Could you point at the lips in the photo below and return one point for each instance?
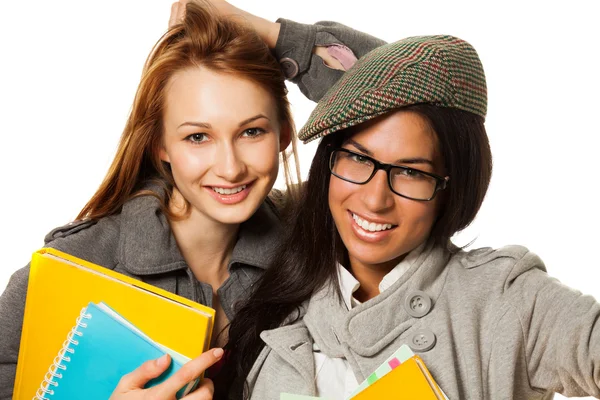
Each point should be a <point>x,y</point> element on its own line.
<point>370,231</point>
<point>231,195</point>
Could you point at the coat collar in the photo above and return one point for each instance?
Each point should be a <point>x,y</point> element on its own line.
<point>294,344</point>
<point>369,327</point>
<point>147,245</point>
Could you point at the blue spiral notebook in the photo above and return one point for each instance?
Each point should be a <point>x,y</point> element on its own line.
<point>99,350</point>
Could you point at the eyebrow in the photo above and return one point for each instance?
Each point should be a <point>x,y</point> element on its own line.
<point>206,125</point>
<point>413,160</point>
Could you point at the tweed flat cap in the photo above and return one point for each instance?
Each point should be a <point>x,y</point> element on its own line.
<point>441,70</point>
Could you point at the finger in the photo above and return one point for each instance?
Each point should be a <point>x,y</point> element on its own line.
<point>181,11</point>
<point>174,14</point>
<point>145,372</point>
<point>203,392</point>
<point>190,371</point>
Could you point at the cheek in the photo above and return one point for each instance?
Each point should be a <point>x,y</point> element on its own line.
<point>417,216</point>
<point>339,192</point>
<point>187,162</point>
<point>262,157</point>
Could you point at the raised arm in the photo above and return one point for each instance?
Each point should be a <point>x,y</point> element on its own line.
<point>312,56</point>
<point>315,56</point>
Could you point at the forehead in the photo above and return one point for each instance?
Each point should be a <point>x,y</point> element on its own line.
<point>199,93</point>
<point>398,134</point>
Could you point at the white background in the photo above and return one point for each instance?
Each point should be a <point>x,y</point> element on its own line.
<point>69,70</point>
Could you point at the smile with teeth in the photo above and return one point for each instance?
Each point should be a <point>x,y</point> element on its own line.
<point>370,226</point>
<point>229,191</point>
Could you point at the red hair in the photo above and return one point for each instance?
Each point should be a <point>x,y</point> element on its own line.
<point>202,39</point>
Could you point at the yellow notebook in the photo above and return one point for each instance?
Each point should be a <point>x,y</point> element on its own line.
<point>409,380</point>
<point>60,285</point>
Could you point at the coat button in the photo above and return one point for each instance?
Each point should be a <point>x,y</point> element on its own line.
<point>422,340</point>
<point>417,304</point>
<point>290,67</point>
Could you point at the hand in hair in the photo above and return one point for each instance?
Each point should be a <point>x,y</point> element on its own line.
<point>267,30</point>
<point>131,386</point>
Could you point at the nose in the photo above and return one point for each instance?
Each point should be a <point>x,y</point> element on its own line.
<point>376,194</point>
<point>228,164</point>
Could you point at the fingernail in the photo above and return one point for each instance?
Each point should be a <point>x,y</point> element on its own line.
<point>162,361</point>
<point>218,353</point>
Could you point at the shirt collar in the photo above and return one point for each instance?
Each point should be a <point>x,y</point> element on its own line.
<point>399,270</point>
<point>349,284</point>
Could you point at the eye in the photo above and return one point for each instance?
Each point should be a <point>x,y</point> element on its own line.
<point>411,173</point>
<point>357,158</point>
<point>253,132</point>
<point>197,138</point>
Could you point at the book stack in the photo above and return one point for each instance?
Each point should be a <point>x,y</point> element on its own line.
<point>112,324</point>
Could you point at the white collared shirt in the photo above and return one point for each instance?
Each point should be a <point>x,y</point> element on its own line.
<point>334,377</point>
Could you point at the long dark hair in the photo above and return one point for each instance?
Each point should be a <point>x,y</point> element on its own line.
<point>306,260</point>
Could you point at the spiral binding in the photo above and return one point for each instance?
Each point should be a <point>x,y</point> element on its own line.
<point>54,373</point>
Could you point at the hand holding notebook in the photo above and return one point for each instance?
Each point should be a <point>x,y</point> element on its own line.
<point>101,357</point>
<point>133,384</point>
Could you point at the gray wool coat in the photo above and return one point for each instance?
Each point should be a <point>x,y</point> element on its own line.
<point>138,241</point>
<point>498,327</point>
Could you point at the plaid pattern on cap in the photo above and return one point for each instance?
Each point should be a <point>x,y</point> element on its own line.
<point>441,70</point>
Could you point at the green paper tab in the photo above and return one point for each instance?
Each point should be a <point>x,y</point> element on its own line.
<point>401,355</point>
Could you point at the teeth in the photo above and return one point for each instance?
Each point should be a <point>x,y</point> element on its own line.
<point>370,226</point>
<point>229,191</point>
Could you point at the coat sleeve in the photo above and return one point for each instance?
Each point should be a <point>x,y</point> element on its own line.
<point>561,330</point>
<point>12,306</point>
<point>83,239</point>
<point>296,42</point>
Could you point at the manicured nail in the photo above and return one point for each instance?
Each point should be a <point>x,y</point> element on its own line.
<point>218,353</point>
<point>162,361</point>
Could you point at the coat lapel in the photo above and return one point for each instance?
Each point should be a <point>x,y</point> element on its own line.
<point>294,345</point>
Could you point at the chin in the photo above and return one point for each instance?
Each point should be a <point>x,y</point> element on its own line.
<point>375,254</point>
<point>236,215</point>
<point>230,221</point>
<point>233,218</point>
<point>378,259</point>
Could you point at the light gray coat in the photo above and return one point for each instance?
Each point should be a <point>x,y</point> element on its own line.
<point>504,329</point>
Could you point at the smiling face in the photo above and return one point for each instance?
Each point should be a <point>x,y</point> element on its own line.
<point>222,139</point>
<point>377,226</point>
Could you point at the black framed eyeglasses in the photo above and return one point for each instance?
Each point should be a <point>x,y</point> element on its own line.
<point>407,182</point>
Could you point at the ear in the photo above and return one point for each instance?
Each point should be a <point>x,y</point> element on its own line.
<point>162,153</point>
<point>285,136</point>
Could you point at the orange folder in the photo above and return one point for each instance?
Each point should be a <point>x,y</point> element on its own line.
<point>60,285</point>
<point>409,380</point>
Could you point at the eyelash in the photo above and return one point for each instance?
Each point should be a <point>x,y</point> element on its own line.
<point>190,138</point>
<point>259,131</point>
<point>193,138</point>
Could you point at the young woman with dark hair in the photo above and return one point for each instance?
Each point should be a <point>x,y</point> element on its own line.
<point>403,165</point>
